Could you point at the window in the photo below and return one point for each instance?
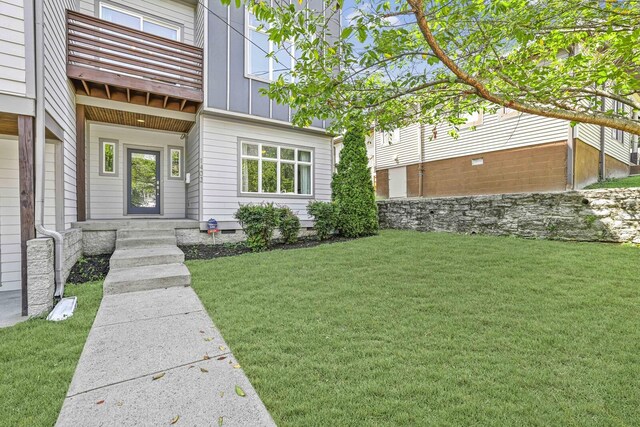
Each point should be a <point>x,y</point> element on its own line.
<point>618,108</point>
<point>108,157</point>
<point>271,169</point>
<point>258,64</point>
<point>473,119</point>
<point>175,162</point>
<point>506,112</point>
<point>138,22</point>
<point>391,137</point>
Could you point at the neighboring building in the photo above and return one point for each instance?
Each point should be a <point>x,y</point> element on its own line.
<point>140,110</point>
<point>508,152</point>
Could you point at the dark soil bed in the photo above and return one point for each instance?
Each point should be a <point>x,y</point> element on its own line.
<point>89,269</point>
<point>231,249</point>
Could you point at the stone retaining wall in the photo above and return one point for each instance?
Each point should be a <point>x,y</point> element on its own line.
<point>609,215</point>
<point>41,269</point>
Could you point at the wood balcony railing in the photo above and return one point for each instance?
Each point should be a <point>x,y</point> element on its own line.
<point>107,59</point>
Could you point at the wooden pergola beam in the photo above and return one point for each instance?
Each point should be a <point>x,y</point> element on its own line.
<point>27,197</point>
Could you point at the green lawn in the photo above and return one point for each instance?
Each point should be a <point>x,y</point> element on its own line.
<point>435,329</point>
<point>38,358</point>
<point>628,182</point>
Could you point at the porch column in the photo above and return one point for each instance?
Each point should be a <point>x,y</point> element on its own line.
<point>81,200</point>
<point>27,197</point>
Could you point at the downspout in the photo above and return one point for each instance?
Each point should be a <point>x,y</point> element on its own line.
<point>39,151</point>
<point>601,163</point>
<point>420,164</point>
<point>634,143</point>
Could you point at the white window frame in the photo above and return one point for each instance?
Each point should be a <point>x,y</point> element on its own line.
<point>272,60</point>
<point>475,123</point>
<point>279,161</point>
<point>142,18</point>
<point>506,113</point>
<point>170,172</point>
<point>616,134</point>
<point>391,137</point>
<point>114,143</point>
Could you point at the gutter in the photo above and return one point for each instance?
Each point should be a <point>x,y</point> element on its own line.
<point>39,150</point>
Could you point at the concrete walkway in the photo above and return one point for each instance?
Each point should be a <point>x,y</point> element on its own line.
<point>155,358</point>
<point>11,308</point>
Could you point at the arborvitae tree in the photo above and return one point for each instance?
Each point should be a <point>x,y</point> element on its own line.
<point>352,189</point>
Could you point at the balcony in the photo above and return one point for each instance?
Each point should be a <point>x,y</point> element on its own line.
<point>111,61</point>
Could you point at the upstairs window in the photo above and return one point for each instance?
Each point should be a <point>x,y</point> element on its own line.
<point>472,119</point>
<point>138,22</point>
<point>618,108</point>
<point>272,169</point>
<point>391,137</point>
<point>258,64</point>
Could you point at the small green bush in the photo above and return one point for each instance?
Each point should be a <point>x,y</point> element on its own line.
<point>258,222</point>
<point>352,189</point>
<point>324,217</point>
<point>289,225</point>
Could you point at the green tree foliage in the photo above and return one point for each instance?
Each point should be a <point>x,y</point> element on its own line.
<point>434,61</point>
<point>352,189</point>
<point>324,216</point>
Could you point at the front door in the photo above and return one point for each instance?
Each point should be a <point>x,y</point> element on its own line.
<point>143,186</point>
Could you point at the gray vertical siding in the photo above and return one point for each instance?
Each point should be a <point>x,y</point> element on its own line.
<point>229,88</point>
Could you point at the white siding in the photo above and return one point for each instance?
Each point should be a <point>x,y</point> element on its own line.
<point>60,94</point>
<point>49,187</point>
<point>167,10</point>
<point>405,152</point>
<point>192,166</point>
<point>616,149</point>
<point>107,196</point>
<point>494,134</point>
<point>12,48</point>
<point>220,137</point>
<point>10,271</point>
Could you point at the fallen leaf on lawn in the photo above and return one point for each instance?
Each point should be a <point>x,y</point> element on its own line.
<point>158,376</point>
<point>222,348</point>
<point>222,394</point>
<point>220,421</point>
<point>204,370</point>
<point>175,419</point>
<point>206,357</point>
<point>222,357</point>
<point>99,402</point>
<point>208,339</point>
<point>240,392</point>
<point>237,366</point>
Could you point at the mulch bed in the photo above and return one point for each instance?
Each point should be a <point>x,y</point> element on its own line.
<point>89,269</point>
<point>232,249</point>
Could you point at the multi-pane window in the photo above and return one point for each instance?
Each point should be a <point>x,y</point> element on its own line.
<point>391,137</point>
<point>271,169</point>
<point>138,22</point>
<point>260,65</point>
<point>472,119</point>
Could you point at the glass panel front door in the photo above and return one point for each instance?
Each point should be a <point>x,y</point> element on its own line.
<point>143,181</point>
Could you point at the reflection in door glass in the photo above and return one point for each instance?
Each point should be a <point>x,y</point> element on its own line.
<point>143,180</point>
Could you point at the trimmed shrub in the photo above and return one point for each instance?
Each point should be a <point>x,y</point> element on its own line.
<point>352,189</point>
<point>324,217</point>
<point>289,225</point>
<point>258,222</point>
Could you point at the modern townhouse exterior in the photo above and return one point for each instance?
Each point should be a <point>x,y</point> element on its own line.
<point>119,112</point>
<point>506,152</point>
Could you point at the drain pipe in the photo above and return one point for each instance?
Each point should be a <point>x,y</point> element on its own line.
<point>420,164</point>
<point>603,146</point>
<point>40,150</point>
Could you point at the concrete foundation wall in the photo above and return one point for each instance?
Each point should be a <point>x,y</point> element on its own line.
<point>610,215</point>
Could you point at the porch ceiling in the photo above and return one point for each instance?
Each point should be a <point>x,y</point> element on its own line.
<point>106,115</point>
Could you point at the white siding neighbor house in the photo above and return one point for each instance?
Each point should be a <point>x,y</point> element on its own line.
<point>137,113</point>
<point>505,152</point>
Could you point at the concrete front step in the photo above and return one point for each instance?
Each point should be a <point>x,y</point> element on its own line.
<point>144,278</point>
<point>139,257</point>
<point>127,233</point>
<point>145,242</point>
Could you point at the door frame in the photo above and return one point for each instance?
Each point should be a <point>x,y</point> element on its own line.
<point>131,210</point>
